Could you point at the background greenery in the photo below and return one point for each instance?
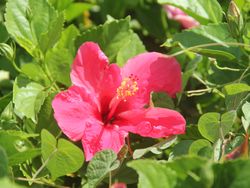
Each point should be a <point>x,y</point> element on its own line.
<point>38,41</point>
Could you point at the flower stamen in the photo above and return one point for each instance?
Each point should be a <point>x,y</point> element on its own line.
<point>128,87</point>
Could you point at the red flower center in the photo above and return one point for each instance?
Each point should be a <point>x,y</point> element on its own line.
<point>128,88</point>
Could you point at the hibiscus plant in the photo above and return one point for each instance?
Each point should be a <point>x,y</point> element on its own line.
<point>124,93</point>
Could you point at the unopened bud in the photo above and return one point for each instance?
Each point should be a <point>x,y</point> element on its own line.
<point>235,20</point>
<point>233,10</point>
<point>7,51</point>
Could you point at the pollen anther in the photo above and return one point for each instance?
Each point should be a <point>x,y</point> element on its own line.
<point>127,88</point>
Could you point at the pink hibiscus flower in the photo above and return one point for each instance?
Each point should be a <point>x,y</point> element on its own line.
<point>106,102</point>
<point>177,14</point>
<point>119,185</point>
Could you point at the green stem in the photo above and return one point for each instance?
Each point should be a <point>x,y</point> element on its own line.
<point>199,90</point>
<point>200,80</point>
<point>50,78</point>
<point>225,68</point>
<point>221,133</point>
<point>110,179</point>
<point>48,74</point>
<point>16,67</point>
<point>43,165</point>
<point>59,134</point>
<point>242,76</point>
<point>38,181</point>
<point>208,45</point>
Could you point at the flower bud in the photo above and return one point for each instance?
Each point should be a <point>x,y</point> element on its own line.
<point>233,10</point>
<point>7,51</point>
<point>235,20</point>
<point>119,185</point>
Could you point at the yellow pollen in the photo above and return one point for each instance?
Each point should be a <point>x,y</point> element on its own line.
<point>127,88</point>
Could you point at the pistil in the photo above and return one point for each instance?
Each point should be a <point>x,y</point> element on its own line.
<point>128,88</point>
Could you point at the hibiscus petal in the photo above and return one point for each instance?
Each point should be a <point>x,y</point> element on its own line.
<point>186,21</point>
<point>173,11</point>
<point>177,14</point>
<point>74,110</point>
<point>89,65</point>
<point>155,72</point>
<point>92,71</point>
<point>98,138</point>
<point>152,122</point>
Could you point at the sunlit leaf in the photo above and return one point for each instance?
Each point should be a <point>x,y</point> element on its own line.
<point>34,24</point>
<point>213,125</point>
<point>156,149</point>
<point>101,164</point>
<point>150,172</point>
<point>4,163</point>
<point>61,157</point>
<point>28,97</point>
<point>116,39</point>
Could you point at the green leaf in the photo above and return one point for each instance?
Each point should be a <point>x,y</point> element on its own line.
<point>60,157</point>
<point>3,33</point>
<point>132,47</point>
<point>153,19</point>
<point>4,163</point>
<point>192,171</point>
<point>189,70</point>
<point>7,113</point>
<point>17,146</point>
<point>67,40</point>
<point>161,99</point>
<point>28,97</point>
<point>246,119</point>
<point>8,118</point>
<point>46,23</point>
<point>60,58</point>
<point>217,149</point>
<point>18,158</point>
<point>4,101</point>
<point>150,172</point>
<point>18,26</point>
<point>233,174</point>
<point>192,132</point>
<point>182,165</point>
<point>46,118</point>
<point>36,73</point>
<point>101,164</point>
<point>235,93</point>
<point>236,88</point>
<point>60,4</point>
<point>246,111</point>
<point>240,3</point>
<point>125,174</point>
<point>156,149</point>
<point>202,10</point>
<point>181,148</point>
<point>76,9</point>
<point>34,24</point>
<point>6,183</point>
<point>198,146</point>
<point>116,39</point>
<point>59,64</point>
<point>116,9</point>
<point>212,125</point>
<point>207,35</point>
